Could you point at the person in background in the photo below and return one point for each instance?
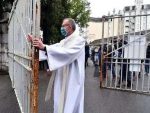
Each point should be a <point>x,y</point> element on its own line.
<point>86,54</point>
<point>124,65</point>
<point>93,56</point>
<point>108,61</point>
<point>147,59</point>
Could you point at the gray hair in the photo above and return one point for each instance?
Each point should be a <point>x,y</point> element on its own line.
<point>72,22</point>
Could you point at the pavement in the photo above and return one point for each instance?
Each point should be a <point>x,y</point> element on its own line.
<point>8,101</point>
<point>111,101</point>
<point>96,100</point>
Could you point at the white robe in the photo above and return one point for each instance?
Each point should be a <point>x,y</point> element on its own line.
<point>69,53</point>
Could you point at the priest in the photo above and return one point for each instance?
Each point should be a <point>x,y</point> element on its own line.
<point>66,59</point>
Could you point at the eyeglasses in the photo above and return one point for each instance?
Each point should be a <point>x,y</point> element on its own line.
<point>65,25</point>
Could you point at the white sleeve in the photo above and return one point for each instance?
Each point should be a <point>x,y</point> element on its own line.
<point>42,55</point>
<point>59,56</point>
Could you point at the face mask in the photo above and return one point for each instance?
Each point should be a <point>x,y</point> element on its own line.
<point>63,32</point>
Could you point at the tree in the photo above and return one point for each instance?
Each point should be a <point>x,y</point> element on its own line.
<point>1,9</point>
<point>80,11</point>
<point>4,6</point>
<point>54,11</point>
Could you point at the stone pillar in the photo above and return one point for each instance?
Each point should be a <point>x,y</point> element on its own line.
<point>4,42</point>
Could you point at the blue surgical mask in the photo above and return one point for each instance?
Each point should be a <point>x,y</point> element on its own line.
<point>63,31</point>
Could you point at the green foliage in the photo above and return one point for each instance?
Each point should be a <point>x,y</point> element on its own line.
<point>54,11</point>
<point>80,11</point>
<point>3,6</point>
<point>1,9</point>
<point>52,14</point>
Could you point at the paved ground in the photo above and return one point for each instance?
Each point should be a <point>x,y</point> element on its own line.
<point>96,100</point>
<point>110,101</point>
<point>8,102</point>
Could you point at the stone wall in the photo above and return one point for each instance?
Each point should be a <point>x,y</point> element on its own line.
<point>4,42</point>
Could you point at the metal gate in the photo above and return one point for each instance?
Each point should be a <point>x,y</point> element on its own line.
<point>125,52</point>
<point>23,59</point>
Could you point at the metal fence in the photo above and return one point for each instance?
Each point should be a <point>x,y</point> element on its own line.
<point>125,53</point>
<point>23,59</point>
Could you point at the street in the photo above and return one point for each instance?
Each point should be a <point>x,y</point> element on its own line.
<point>96,100</point>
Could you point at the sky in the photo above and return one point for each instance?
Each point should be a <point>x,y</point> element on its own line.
<point>102,7</point>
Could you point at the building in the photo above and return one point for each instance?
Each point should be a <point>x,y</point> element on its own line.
<point>126,21</point>
<point>99,28</point>
<point>138,23</point>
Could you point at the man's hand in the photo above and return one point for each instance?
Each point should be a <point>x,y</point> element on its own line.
<point>38,43</point>
<point>30,38</point>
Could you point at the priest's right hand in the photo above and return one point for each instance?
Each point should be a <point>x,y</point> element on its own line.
<point>38,43</point>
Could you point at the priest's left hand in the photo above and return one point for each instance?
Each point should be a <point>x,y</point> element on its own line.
<point>38,43</point>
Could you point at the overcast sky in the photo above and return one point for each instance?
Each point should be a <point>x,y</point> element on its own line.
<point>102,7</point>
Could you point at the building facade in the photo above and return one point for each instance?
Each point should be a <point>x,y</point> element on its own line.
<point>126,21</point>
<point>99,28</point>
<point>138,23</point>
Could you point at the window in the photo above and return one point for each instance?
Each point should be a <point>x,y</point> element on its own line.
<point>147,6</point>
<point>133,7</point>
<point>127,8</point>
<point>127,26</point>
<point>142,6</point>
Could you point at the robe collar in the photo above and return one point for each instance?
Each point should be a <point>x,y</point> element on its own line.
<point>69,39</point>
